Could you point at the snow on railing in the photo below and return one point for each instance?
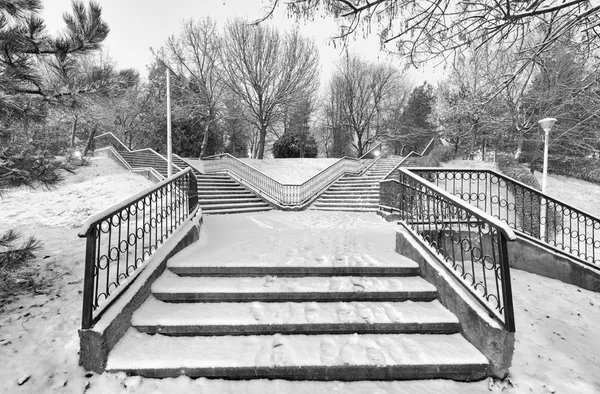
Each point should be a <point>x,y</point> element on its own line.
<point>121,238</point>
<point>471,244</point>
<point>280,193</point>
<point>528,211</point>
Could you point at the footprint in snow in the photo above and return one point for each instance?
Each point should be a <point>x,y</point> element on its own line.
<point>278,352</point>
<point>376,356</point>
<point>345,314</point>
<point>269,281</point>
<point>392,313</point>
<point>405,352</point>
<point>352,353</point>
<point>328,352</point>
<point>365,313</point>
<point>257,311</point>
<point>310,312</point>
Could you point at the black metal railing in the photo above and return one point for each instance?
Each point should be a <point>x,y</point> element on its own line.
<point>472,244</point>
<point>120,239</point>
<point>528,211</point>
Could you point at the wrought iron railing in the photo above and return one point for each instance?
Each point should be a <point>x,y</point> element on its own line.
<point>528,211</point>
<point>120,239</point>
<point>472,244</point>
<point>393,174</point>
<point>286,194</point>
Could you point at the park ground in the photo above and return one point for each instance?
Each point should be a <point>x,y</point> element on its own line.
<point>557,348</point>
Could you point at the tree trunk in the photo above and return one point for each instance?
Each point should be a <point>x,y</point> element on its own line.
<point>73,130</point>
<point>204,140</point>
<point>88,145</point>
<point>519,145</point>
<point>261,141</point>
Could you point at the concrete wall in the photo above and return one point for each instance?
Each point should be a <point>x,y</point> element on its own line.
<point>98,341</point>
<point>485,333</point>
<point>527,255</point>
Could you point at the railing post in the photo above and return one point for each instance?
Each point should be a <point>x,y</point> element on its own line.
<point>192,192</point>
<point>507,298</point>
<point>88,280</point>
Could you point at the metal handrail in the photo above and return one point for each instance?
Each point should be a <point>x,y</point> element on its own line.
<point>554,223</point>
<point>121,238</point>
<point>428,148</point>
<point>284,194</point>
<point>471,243</point>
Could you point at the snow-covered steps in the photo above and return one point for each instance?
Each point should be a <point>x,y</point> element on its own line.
<point>260,318</point>
<point>357,193</point>
<point>173,288</point>
<point>188,264</point>
<point>299,357</point>
<point>221,194</point>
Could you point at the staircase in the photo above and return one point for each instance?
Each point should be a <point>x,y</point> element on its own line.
<point>357,193</point>
<point>220,194</point>
<point>217,194</point>
<point>270,319</point>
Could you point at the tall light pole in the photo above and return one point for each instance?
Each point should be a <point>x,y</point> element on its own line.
<point>169,144</point>
<point>546,125</point>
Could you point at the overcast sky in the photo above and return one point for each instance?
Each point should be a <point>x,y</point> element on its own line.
<point>138,25</point>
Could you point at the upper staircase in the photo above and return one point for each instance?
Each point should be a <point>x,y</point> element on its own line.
<point>357,193</point>
<point>217,193</point>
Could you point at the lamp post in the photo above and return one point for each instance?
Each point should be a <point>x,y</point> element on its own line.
<point>169,144</point>
<point>546,125</point>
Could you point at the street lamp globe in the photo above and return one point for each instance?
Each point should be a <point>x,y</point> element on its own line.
<point>546,124</point>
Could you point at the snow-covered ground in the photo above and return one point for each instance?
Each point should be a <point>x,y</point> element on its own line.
<point>286,171</point>
<point>557,346</point>
<point>290,171</point>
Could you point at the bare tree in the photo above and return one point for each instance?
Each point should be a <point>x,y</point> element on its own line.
<point>360,90</point>
<point>194,56</point>
<point>422,30</point>
<point>267,70</point>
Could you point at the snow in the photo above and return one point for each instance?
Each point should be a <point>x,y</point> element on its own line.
<point>141,351</point>
<point>172,283</point>
<point>290,171</point>
<point>155,312</point>
<point>557,347</point>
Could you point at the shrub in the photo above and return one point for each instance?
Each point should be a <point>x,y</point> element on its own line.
<point>289,146</point>
<point>439,154</point>
<point>511,168</point>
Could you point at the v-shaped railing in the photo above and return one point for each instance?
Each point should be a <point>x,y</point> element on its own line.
<point>291,196</point>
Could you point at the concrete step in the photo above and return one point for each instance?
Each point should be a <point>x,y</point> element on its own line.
<point>342,208</point>
<point>234,201</point>
<point>234,205</point>
<point>348,200</point>
<point>224,211</point>
<point>299,357</point>
<point>173,288</point>
<point>260,318</point>
<point>224,185</point>
<point>237,196</point>
<point>329,195</point>
<point>336,187</point>
<point>188,265</point>
<point>229,192</point>
<point>346,204</point>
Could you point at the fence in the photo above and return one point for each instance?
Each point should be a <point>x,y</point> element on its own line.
<point>525,209</point>
<point>120,239</point>
<point>471,243</point>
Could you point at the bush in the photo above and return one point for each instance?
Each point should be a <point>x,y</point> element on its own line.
<point>288,146</point>
<point>511,168</point>
<point>438,155</point>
